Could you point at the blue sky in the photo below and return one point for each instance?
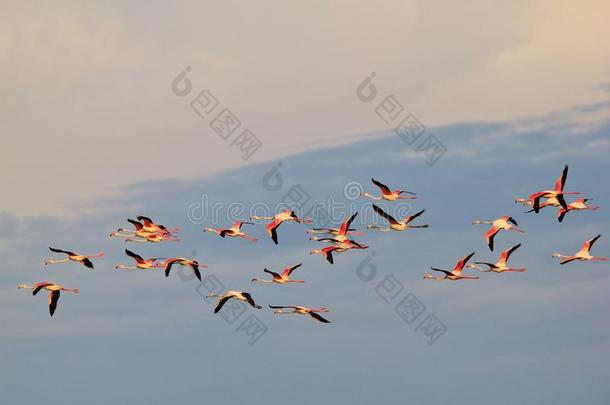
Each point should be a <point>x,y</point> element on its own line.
<point>536,337</point>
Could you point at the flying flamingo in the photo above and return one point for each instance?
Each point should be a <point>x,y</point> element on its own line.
<point>283,278</point>
<point>500,266</point>
<point>503,223</point>
<point>54,292</point>
<point>150,227</point>
<point>345,244</point>
<point>583,254</point>
<point>139,234</point>
<point>456,274</point>
<point>387,194</point>
<point>183,261</point>
<point>578,205</point>
<point>154,238</point>
<point>236,295</point>
<point>234,231</point>
<point>557,192</point>
<point>278,219</point>
<point>297,309</point>
<point>141,263</point>
<point>327,252</point>
<point>395,225</point>
<point>84,260</point>
<point>338,233</point>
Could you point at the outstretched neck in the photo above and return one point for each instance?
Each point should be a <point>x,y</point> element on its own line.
<point>365,194</point>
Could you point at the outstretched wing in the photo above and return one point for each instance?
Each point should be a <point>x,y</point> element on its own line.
<point>62,251</point>
<point>250,300</point>
<point>274,274</point>
<point>412,217</point>
<point>147,221</point>
<point>442,271</point>
<point>561,213</point>
<point>561,180</point>
<point>460,265</point>
<point>221,303</point>
<point>136,224</point>
<point>272,229</point>
<point>318,317</point>
<point>489,237</point>
<point>134,256</point>
<point>168,266</point>
<point>384,189</point>
<point>282,307</point>
<point>346,224</point>
<point>39,287</point>
<point>289,270</point>
<point>385,215</point>
<point>195,266</point>
<point>506,254</point>
<point>87,263</point>
<point>53,298</point>
<point>589,244</point>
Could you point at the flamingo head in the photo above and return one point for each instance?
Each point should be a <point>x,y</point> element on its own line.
<point>20,286</point>
<point>556,255</point>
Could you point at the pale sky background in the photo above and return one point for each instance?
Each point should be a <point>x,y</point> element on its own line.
<point>92,134</point>
<point>86,86</point>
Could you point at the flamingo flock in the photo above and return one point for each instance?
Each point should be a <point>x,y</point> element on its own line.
<point>334,240</point>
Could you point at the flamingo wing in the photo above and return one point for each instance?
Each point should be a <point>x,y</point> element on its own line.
<point>168,266</point>
<point>62,251</point>
<point>87,263</point>
<point>506,254</point>
<point>385,215</point>
<point>561,213</point>
<point>561,180</point>
<point>460,265</point>
<point>568,260</point>
<point>328,254</point>
<point>38,287</point>
<point>442,271</point>
<point>195,266</point>
<point>274,274</point>
<point>412,217</point>
<point>384,189</point>
<point>136,224</point>
<point>272,229</point>
<point>489,237</point>
<point>317,317</point>
<point>562,201</point>
<point>250,300</point>
<point>282,307</point>
<point>221,303</point>
<point>135,256</point>
<point>345,225</point>
<point>535,198</point>
<point>491,265</point>
<point>147,221</point>
<point>289,270</point>
<point>589,244</point>
<point>53,298</point>
<point>512,221</point>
